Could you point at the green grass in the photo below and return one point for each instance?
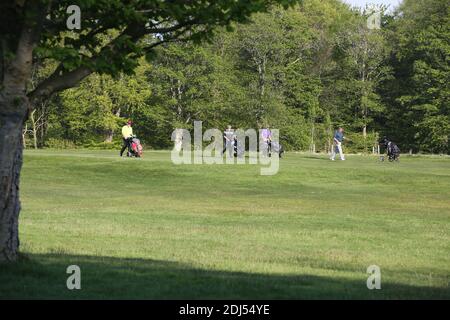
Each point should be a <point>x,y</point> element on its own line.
<point>145,228</point>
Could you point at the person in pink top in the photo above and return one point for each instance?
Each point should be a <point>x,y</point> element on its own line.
<point>266,136</point>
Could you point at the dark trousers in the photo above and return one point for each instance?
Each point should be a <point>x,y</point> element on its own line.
<point>126,145</point>
<point>267,148</point>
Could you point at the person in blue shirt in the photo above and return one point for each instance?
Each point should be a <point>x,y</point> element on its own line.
<point>337,144</point>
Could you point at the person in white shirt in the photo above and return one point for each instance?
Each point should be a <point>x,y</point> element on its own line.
<point>228,140</point>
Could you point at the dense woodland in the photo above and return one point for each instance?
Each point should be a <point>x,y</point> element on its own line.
<point>305,71</point>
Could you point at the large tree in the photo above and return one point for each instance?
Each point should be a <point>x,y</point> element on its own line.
<point>418,96</point>
<point>113,35</point>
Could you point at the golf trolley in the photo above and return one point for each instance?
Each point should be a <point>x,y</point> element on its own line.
<point>392,150</point>
<point>272,146</point>
<point>135,148</point>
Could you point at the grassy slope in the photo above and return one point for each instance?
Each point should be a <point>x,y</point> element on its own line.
<point>149,229</point>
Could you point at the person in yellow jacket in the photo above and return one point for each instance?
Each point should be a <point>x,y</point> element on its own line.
<point>127,135</point>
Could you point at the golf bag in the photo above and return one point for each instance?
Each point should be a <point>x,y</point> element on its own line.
<point>272,146</point>
<point>238,148</point>
<point>278,148</point>
<point>393,151</point>
<point>135,148</point>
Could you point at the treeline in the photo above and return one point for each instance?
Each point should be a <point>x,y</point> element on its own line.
<point>304,71</point>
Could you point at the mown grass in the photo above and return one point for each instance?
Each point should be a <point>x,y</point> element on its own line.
<point>145,228</point>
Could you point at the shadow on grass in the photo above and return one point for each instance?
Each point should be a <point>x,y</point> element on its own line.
<point>317,157</point>
<point>43,276</point>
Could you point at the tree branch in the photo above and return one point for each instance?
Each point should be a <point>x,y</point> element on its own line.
<point>18,71</point>
<point>59,81</point>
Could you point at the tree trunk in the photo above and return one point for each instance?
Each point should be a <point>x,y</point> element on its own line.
<point>24,136</point>
<point>11,146</point>
<point>17,59</point>
<point>312,146</point>
<point>109,136</point>
<point>14,106</point>
<point>365,138</point>
<point>34,128</point>
<point>42,124</point>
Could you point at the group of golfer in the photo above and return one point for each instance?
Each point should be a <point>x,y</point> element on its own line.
<point>229,140</point>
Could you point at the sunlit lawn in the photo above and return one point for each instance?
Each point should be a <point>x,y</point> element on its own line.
<point>146,228</point>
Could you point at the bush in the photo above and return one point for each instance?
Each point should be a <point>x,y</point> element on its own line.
<point>355,142</point>
<point>56,143</point>
<point>103,145</point>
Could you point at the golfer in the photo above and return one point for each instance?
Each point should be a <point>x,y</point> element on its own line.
<point>127,135</point>
<point>337,146</point>
<point>228,140</point>
<point>266,136</point>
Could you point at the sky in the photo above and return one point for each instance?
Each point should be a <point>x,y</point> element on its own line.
<point>362,3</point>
